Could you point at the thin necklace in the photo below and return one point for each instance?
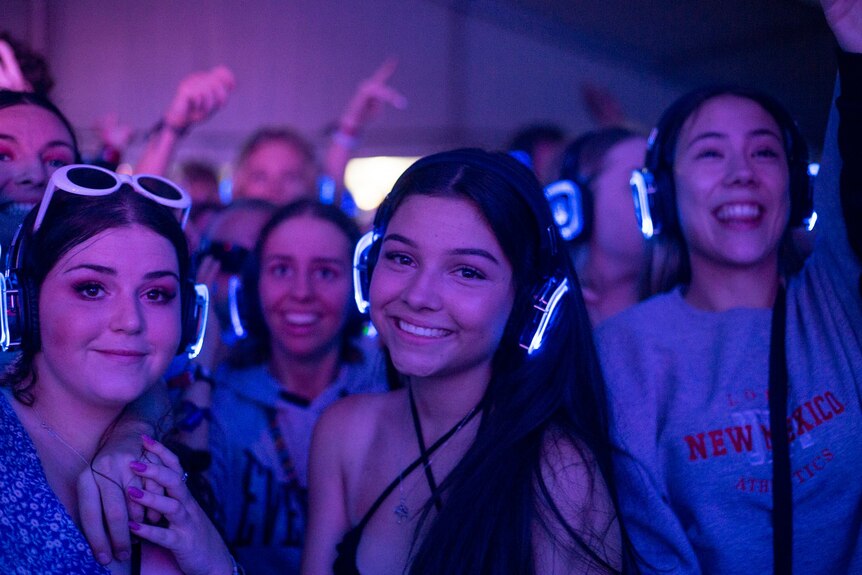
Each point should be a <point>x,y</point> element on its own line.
<point>59,437</point>
<point>402,512</point>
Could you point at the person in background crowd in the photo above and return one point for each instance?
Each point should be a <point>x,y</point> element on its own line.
<point>540,147</point>
<point>303,350</point>
<point>608,250</point>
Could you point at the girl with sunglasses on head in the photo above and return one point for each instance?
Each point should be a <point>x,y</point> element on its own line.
<point>492,457</point>
<point>96,330</point>
<point>302,349</point>
<point>735,397</point>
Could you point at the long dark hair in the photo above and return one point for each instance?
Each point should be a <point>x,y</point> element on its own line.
<point>255,348</point>
<point>553,394</point>
<point>69,221</point>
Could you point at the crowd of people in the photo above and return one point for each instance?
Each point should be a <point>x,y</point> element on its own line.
<point>564,358</point>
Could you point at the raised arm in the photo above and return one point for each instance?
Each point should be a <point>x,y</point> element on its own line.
<point>845,20</point>
<point>372,95</point>
<point>11,77</point>
<point>198,96</point>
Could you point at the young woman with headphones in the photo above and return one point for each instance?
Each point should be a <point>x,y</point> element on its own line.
<point>607,249</point>
<point>493,456</point>
<point>734,398</point>
<point>96,329</point>
<point>303,349</point>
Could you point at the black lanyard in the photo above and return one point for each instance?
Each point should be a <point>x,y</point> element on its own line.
<point>782,489</point>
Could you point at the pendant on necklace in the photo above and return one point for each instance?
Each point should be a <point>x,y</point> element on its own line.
<point>401,511</point>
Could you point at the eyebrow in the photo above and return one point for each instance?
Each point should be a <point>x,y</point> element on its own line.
<point>458,251</point>
<point>158,274</point>
<point>758,132</point>
<point>51,144</point>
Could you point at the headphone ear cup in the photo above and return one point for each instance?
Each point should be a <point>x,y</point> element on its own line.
<point>189,314</point>
<point>546,301</point>
<point>571,208</point>
<point>27,329</point>
<point>237,307</point>
<point>364,259</point>
<point>801,194</point>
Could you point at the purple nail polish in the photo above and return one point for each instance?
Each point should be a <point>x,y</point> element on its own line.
<point>138,466</point>
<point>134,526</point>
<point>135,492</point>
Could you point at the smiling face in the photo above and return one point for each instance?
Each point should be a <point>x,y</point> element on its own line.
<point>732,185</point>
<point>306,287</point>
<point>33,144</point>
<point>442,289</point>
<point>109,323</point>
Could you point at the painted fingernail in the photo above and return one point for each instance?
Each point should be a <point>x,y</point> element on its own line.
<point>123,556</point>
<point>147,439</point>
<point>138,466</point>
<point>103,558</point>
<point>135,492</point>
<point>134,526</point>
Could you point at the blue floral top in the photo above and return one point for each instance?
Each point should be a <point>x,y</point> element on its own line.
<point>37,535</point>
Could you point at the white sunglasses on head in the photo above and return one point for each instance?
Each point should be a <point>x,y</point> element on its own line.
<point>84,180</point>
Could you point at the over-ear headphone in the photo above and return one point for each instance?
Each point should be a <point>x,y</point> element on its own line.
<point>19,303</point>
<point>572,197</point>
<point>653,186</point>
<point>547,294</point>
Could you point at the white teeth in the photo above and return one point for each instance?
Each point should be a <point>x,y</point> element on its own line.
<point>300,318</point>
<point>738,212</point>
<point>422,331</point>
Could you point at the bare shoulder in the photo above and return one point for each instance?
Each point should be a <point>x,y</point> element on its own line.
<point>350,424</point>
<point>575,508</point>
<point>354,413</point>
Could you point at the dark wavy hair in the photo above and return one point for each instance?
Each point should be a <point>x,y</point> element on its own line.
<point>69,221</point>
<point>496,493</point>
<point>255,348</point>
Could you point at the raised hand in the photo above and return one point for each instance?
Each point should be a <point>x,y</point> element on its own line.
<point>199,96</point>
<point>845,20</point>
<point>11,77</point>
<point>372,95</point>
